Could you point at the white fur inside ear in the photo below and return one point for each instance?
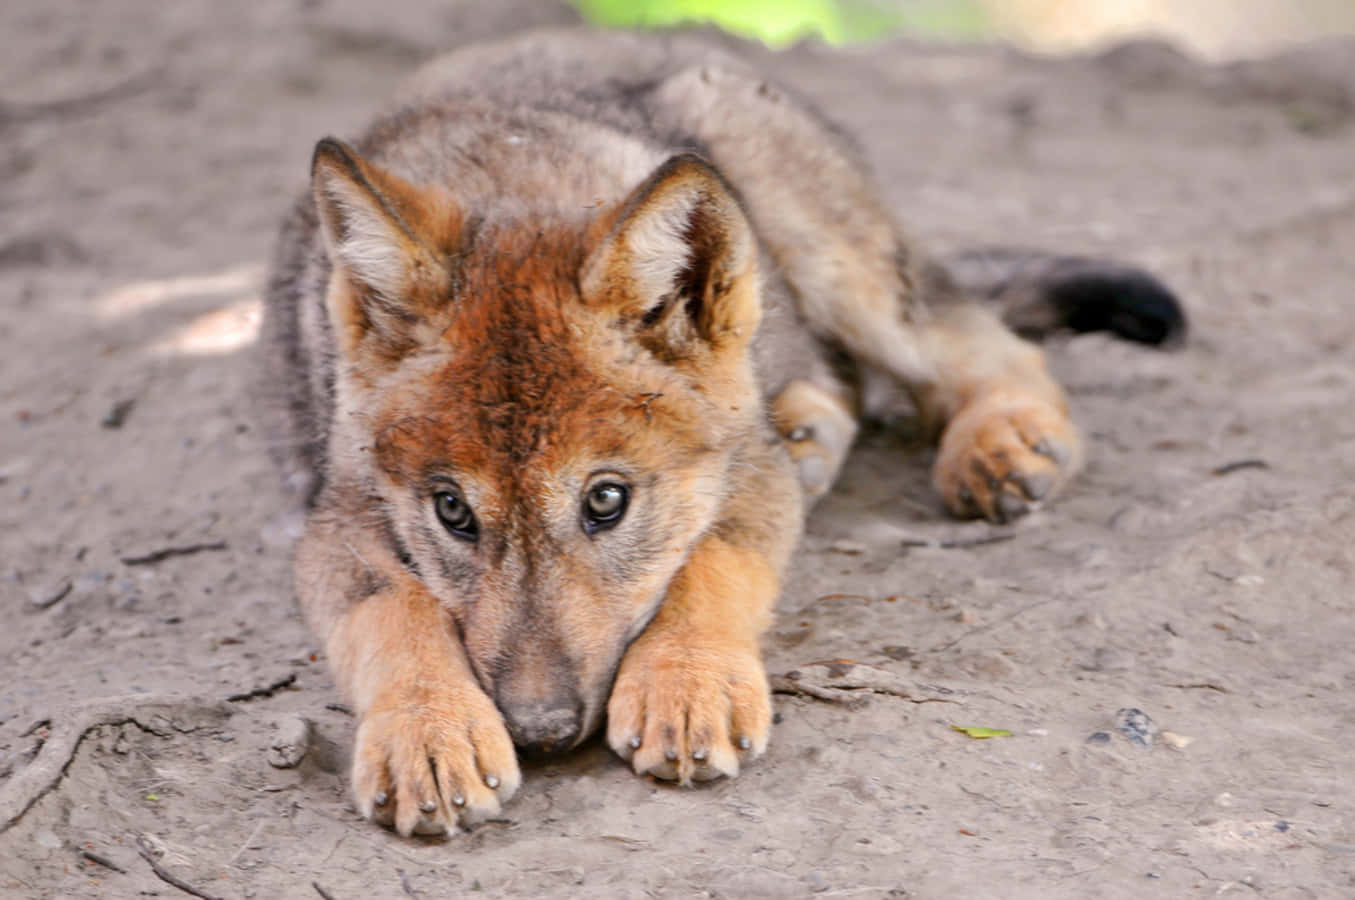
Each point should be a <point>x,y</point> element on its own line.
<point>658,246</point>
<point>361,238</point>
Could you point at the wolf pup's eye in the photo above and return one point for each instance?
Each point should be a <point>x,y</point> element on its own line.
<point>604,506</point>
<point>455,514</point>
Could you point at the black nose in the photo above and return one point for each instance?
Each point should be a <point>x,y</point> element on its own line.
<point>541,728</point>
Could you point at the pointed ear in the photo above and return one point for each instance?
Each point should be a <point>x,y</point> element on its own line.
<point>680,263</point>
<point>386,240</point>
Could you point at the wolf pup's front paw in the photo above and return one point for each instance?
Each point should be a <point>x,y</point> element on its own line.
<point>688,712</point>
<point>428,758</point>
<point>1005,452</point>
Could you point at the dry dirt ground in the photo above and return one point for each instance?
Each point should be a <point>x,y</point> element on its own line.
<point>147,150</point>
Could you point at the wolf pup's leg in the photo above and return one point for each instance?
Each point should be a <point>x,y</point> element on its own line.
<point>818,426</point>
<point>1006,440</point>
<point>691,700</point>
<point>431,748</point>
<point>1005,432</point>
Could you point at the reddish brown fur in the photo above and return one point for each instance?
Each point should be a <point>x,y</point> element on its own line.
<point>526,286</point>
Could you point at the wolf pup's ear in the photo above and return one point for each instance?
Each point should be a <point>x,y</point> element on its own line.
<point>680,263</point>
<point>383,237</point>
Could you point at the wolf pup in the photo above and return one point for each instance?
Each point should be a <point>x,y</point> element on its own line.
<point>560,352</point>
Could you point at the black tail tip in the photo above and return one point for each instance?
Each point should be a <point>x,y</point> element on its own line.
<point>1125,301</point>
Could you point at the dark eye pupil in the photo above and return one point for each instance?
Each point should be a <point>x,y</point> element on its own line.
<point>455,515</point>
<point>605,500</point>
<point>604,506</point>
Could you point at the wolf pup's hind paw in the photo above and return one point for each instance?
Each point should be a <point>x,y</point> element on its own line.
<point>1003,455</point>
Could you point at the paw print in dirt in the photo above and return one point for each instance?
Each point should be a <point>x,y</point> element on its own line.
<point>426,761</point>
<point>1003,454</point>
<point>683,712</point>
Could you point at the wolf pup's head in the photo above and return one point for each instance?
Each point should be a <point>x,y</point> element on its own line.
<point>543,410</point>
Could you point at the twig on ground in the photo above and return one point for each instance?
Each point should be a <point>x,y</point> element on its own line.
<point>55,596</point>
<point>167,876</point>
<point>321,891</point>
<point>1239,465</point>
<point>849,682</point>
<point>266,690</point>
<point>340,708</point>
<point>69,728</point>
<point>405,885</point>
<point>165,553</point>
<point>102,861</point>
<point>1199,686</point>
<point>959,543</point>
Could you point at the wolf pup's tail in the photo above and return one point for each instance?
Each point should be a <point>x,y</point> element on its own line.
<point>1039,293</point>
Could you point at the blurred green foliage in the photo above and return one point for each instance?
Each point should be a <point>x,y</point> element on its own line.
<point>781,22</point>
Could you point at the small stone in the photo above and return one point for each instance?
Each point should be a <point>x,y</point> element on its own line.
<point>817,883</point>
<point>1110,659</point>
<point>290,742</point>
<point>118,413</point>
<point>1099,737</point>
<point>1282,826</point>
<point>1136,725</point>
<point>50,596</point>
<point>1176,741</point>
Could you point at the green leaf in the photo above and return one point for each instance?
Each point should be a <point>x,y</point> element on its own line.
<point>980,733</point>
<point>152,797</point>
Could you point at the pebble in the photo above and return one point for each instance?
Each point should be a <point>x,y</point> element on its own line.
<point>290,743</point>
<point>1099,737</point>
<point>1136,725</point>
<point>1175,741</point>
<point>43,598</point>
<point>1110,659</point>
